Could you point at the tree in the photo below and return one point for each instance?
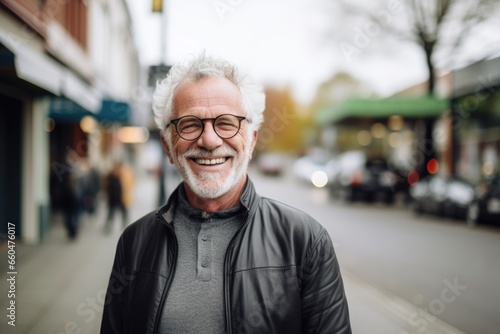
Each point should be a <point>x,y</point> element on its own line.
<point>443,30</point>
<point>432,23</point>
<point>282,129</point>
<point>339,87</point>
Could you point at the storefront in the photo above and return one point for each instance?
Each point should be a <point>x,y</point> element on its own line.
<point>42,103</point>
<point>476,120</point>
<point>392,128</point>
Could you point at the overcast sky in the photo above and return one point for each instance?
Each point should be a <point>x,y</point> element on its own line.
<point>279,42</point>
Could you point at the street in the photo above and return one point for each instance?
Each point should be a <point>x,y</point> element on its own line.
<point>447,270</point>
<point>370,96</point>
<point>403,274</point>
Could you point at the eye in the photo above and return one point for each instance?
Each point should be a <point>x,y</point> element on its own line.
<point>188,125</point>
<point>227,123</point>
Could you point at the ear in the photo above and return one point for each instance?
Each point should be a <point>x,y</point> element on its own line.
<point>165,147</point>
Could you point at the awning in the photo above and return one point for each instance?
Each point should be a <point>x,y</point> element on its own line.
<point>113,111</point>
<point>37,68</point>
<point>64,109</point>
<point>382,108</point>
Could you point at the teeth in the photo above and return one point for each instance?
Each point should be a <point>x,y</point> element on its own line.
<point>210,161</point>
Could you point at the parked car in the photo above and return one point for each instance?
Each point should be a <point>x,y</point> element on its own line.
<point>361,177</point>
<point>442,196</point>
<point>272,164</point>
<point>313,169</point>
<point>485,206</point>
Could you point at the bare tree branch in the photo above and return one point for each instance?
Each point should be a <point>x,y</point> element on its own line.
<point>442,26</point>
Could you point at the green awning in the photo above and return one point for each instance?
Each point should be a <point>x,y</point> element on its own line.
<point>382,108</point>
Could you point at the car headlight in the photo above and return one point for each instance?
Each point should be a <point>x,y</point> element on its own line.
<point>319,179</point>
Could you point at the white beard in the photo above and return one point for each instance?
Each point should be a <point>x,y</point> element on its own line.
<point>212,185</point>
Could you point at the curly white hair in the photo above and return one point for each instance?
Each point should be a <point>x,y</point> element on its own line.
<point>197,68</point>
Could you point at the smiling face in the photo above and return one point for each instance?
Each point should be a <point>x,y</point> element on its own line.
<point>212,168</point>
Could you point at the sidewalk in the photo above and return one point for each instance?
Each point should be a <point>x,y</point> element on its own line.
<point>61,284</point>
<point>375,311</point>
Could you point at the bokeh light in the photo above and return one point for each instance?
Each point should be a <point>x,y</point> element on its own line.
<point>433,166</point>
<point>319,179</point>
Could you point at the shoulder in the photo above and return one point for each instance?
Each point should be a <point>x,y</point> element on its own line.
<point>280,234</point>
<point>143,231</point>
<point>154,224</point>
<point>143,223</point>
<point>287,222</point>
<point>144,245</point>
<point>285,213</point>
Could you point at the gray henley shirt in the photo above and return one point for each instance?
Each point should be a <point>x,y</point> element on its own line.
<point>195,300</point>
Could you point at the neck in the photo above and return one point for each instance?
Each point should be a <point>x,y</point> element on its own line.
<point>226,201</point>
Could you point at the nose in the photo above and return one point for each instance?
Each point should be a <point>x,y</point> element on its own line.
<point>209,139</point>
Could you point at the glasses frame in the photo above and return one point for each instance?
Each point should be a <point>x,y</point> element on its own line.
<point>202,120</point>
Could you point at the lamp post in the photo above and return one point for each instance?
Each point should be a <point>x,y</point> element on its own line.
<point>158,72</point>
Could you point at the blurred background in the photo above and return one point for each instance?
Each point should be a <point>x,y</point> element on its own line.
<point>382,121</point>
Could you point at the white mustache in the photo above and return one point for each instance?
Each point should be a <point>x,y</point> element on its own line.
<point>194,153</point>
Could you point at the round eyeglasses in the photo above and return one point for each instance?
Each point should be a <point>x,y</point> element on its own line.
<point>226,126</point>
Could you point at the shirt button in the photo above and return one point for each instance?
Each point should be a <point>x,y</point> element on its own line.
<point>204,263</point>
<point>204,238</point>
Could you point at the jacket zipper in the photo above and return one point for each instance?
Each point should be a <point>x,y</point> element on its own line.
<point>170,274</point>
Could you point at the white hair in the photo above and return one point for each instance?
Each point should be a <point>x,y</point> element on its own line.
<point>197,68</point>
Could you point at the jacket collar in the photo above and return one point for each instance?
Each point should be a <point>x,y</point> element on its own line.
<point>249,196</point>
<point>248,200</point>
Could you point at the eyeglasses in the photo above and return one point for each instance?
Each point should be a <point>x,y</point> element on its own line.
<point>226,126</point>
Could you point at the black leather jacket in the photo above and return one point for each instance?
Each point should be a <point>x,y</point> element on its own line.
<point>281,274</point>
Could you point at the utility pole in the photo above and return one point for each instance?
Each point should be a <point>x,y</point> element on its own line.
<point>163,35</point>
<point>158,72</point>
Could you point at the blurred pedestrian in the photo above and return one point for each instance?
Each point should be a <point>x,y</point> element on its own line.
<point>70,202</point>
<point>114,192</point>
<point>127,180</point>
<point>242,263</point>
<point>120,187</point>
<point>90,187</point>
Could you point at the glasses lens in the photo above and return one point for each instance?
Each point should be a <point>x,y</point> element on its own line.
<point>227,126</point>
<point>189,127</point>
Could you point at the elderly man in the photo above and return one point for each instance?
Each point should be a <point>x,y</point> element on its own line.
<point>218,258</point>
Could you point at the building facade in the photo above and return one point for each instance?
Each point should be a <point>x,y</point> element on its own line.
<point>61,62</point>
<point>475,103</point>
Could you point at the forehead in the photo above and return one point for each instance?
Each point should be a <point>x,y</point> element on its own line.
<point>208,95</point>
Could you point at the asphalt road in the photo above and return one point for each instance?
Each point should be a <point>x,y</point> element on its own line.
<point>391,259</point>
<point>448,270</point>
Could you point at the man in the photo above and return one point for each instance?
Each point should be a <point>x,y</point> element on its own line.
<point>218,258</point>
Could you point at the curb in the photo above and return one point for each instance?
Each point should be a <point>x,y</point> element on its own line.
<point>401,312</point>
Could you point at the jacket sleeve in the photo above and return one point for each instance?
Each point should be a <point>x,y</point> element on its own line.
<point>112,319</point>
<point>324,304</point>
